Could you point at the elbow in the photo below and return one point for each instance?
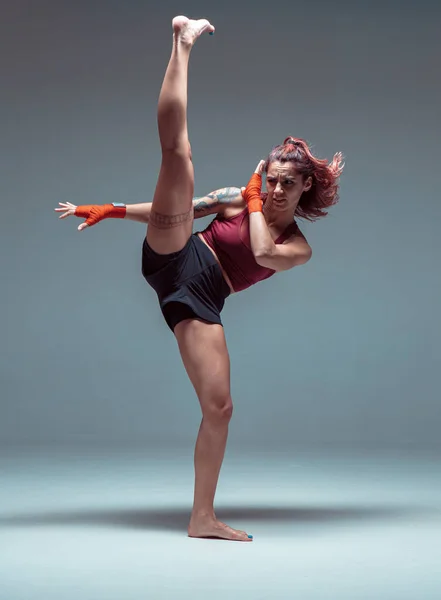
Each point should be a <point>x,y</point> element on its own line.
<point>303,258</point>
<point>308,255</point>
<point>263,253</point>
<point>264,258</point>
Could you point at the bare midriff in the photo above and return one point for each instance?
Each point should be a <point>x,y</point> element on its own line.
<point>227,279</point>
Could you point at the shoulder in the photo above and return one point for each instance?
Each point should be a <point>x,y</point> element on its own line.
<point>298,233</point>
<point>235,205</point>
<point>232,211</point>
<point>231,202</point>
<point>298,240</point>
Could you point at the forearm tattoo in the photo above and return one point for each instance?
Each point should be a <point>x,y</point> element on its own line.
<point>222,196</point>
<point>161,221</point>
<point>225,195</point>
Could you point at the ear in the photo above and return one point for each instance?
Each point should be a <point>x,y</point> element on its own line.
<point>308,184</point>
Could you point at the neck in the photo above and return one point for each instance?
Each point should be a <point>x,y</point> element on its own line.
<point>277,218</point>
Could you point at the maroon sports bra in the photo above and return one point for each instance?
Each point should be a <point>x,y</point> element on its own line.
<point>230,240</point>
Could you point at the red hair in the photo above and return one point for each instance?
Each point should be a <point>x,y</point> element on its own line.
<point>324,189</point>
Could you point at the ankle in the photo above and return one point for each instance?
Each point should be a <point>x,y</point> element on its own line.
<point>181,44</point>
<point>202,513</point>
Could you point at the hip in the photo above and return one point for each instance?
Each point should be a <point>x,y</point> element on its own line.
<point>194,266</point>
<point>225,276</point>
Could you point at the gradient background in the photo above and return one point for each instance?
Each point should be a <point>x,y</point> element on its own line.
<point>343,351</point>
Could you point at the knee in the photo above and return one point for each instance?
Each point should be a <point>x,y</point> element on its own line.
<point>217,408</point>
<point>176,149</point>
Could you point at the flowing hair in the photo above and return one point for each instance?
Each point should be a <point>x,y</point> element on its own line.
<point>324,174</point>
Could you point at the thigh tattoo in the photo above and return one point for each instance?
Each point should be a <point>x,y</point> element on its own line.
<point>162,221</point>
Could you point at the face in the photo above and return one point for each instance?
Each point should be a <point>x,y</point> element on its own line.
<point>285,185</point>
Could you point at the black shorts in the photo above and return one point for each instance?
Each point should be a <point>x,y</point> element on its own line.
<point>189,283</point>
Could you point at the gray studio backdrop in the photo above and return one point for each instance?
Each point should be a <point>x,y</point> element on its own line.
<point>344,350</point>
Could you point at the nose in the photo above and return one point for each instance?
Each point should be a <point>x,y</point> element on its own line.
<point>278,189</point>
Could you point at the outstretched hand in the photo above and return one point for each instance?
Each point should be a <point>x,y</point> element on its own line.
<point>93,213</point>
<point>68,210</point>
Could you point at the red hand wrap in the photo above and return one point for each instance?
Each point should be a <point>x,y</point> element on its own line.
<point>251,193</point>
<point>93,213</point>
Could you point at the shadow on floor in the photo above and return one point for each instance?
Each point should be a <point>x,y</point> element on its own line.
<point>176,519</point>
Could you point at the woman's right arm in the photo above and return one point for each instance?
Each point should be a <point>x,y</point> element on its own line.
<point>214,203</point>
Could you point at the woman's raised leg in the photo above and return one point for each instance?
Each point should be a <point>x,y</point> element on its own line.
<point>204,352</point>
<point>171,218</point>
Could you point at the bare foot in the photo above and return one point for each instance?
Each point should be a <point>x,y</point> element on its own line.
<point>210,527</point>
<point>188,30</point>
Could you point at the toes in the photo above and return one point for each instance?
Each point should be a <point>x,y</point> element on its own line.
<point>237,534</point>
<point>208,26</point>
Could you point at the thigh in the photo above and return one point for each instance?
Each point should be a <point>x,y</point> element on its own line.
<point>205,356</point>
<point>171,217</point>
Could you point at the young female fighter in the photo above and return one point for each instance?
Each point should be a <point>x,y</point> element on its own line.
<point>253,236</point>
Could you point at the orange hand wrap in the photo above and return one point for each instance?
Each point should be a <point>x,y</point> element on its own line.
<point>251,194</point>
<point>93,213</point>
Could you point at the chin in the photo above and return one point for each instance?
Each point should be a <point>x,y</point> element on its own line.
<point>282,206</point>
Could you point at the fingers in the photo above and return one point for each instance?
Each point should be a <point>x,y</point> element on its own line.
<point>67,208</point>
<point>68,213</point>
<point>259,168</point>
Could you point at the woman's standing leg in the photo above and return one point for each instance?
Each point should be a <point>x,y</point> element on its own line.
<point>171,218</point>
<point>204,353</point>
<point>202,346</point>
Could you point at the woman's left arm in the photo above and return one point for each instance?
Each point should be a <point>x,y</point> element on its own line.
<point>279,257</point>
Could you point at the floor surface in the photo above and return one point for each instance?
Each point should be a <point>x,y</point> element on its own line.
<point>107,525</point>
